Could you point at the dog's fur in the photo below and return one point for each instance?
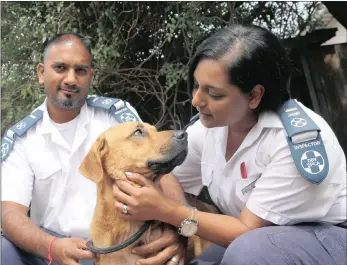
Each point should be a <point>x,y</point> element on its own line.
<point>133,147</point>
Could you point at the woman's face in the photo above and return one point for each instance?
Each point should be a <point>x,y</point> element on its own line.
<point>219,102</point>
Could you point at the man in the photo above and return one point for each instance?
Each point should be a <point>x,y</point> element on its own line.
<point>42,169</point>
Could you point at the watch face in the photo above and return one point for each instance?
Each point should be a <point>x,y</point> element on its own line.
<point>189,228</point>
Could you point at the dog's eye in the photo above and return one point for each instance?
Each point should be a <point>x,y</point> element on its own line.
<point>138,132</point>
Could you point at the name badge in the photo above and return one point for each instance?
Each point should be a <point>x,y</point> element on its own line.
<point>244,188</point>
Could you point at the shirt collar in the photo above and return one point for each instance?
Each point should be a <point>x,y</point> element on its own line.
<point>266,120</point>
<point>269,119</point>
<point>48,127</point>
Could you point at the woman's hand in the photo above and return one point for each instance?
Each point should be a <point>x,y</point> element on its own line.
<point>145,203</point>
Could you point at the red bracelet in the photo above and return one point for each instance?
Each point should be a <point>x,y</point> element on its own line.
<point>50,258</point>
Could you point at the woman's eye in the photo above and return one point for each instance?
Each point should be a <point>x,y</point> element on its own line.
<point>215,96</point>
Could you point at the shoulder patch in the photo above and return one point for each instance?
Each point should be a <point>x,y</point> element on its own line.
<point>19,129</point>
<point>118,108</point>
<point>305,143</point>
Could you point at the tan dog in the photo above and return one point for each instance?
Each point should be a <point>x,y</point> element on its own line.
<point>133,147</point>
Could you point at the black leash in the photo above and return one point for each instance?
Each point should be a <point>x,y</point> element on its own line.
<point>122,245</point>
<point>192,121</point>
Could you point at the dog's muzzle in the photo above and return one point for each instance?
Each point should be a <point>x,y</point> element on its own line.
<point>174,157</point>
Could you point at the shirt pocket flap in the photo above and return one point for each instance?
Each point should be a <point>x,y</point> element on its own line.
<point>45,167</point>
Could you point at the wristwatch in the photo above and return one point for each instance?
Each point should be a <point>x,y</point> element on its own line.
<point>189,226</point>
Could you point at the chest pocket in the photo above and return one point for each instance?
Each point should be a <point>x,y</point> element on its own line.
<point>46,166</point>
<point>253,169</point>
<point>244,188</point>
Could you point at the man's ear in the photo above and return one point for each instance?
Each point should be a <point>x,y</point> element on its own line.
<point>91,166</point>
<point>40,69</point>
<point>255,96</point>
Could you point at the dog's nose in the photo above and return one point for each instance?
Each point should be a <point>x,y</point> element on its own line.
<point>180,135</point>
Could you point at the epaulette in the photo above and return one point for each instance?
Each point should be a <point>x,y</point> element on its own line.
<point>19,129</point>
<point>118,107</point>
<point>305,142</point>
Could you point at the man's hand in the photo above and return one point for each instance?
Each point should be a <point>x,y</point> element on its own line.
<point>169,245</point>
<point>67,251</point>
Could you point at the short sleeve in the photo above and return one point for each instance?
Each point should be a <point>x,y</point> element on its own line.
<point>283,197</point>
<point>17,176</point>
<point>189,173</point>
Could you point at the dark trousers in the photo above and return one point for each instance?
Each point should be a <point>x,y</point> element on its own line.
<point>308,244</point>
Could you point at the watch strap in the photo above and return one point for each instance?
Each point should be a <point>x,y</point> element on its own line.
<point>192,214</point>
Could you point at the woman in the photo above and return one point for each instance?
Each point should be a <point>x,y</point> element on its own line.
<point>239,78</point>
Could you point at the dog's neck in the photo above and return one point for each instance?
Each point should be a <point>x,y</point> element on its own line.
<point>108,216</point>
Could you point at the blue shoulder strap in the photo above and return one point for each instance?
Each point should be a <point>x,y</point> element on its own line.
<point>305,142</point>
<point>19,129</point>
<point>120,112</point>
<point>118,107</point>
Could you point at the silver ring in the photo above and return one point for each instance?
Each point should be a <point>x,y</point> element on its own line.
<point>174,260</point>
<point>125,209</point>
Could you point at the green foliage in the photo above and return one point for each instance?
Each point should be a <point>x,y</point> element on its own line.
<point>140,49</point>
<point>174,73</point>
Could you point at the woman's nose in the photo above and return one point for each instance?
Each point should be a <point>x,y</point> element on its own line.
<point>198,100</point>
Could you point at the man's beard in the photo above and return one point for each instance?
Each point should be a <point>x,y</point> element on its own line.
<point>67,102</point>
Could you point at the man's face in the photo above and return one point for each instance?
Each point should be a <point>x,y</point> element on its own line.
<point>66,73</point>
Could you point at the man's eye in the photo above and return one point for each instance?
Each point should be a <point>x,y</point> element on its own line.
<point>59,67</point>
<point>82,71</point>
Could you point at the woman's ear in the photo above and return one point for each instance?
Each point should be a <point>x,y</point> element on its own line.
<point>255,96</point>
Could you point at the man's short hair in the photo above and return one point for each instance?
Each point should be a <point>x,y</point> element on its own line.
<point>62,36</point>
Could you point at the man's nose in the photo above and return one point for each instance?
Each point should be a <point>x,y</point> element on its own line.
<point>70,78</point>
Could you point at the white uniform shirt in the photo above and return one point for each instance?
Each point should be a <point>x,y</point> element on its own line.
<point>42,169</point>
<point>281,195</point>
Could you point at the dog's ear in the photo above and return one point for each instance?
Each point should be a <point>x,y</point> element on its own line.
<point>91,166</point>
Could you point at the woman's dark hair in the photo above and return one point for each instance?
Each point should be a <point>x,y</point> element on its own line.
<point>63,37</point>
<point>253,55</point>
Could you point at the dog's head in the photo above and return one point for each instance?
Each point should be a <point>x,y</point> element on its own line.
<point>134,147</point>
